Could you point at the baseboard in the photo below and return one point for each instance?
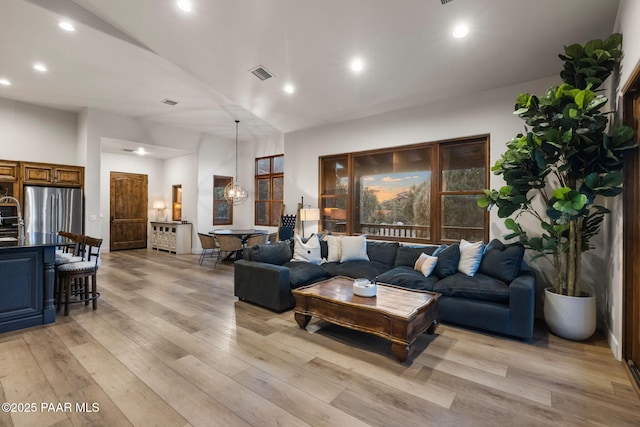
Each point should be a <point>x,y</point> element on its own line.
<point>614,345</point>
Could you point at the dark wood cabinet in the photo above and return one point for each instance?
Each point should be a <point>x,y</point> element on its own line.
<point>52,174</point>
<point>8,178</point>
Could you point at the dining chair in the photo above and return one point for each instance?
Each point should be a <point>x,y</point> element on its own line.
<point>273,237</point>
<point>208,243</point>
<point>229,245</point>
<point>256,239</point>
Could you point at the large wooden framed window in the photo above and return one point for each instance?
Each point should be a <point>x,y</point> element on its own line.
<point>222,210</point>
<point>269,189</point>
<point>423,192</point>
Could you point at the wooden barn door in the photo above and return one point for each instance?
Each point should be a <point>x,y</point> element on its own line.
<point>128,213</point>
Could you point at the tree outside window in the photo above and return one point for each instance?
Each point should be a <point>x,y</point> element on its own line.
<point>424,192</point>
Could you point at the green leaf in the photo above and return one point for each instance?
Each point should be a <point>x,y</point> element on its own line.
<point>559,193</point>
<point>483,202</point>
<point>512,225</point>
<point>584,97</point>
<point>574,50</point>
<point>505,190</point>
<point>592,180</point>
<point>612,179</point>
<point>622,134</point>
<point>591,47</point>
<point>596,103</point>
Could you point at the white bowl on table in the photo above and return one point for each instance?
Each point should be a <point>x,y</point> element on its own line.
<point>364,288</point>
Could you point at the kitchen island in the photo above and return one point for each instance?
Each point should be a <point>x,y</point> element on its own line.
<point>27,277</point>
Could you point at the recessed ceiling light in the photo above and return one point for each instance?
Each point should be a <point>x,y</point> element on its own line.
<point>140,151</point>
<point>460,31</point>
<point>40,67</point>
<point>67,26</point>
<point>289,88</point>
<point>185,5</point>
<point>5,82</point>
<point>357,65</point>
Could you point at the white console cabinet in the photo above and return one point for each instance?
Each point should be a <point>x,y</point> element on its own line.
<point>171,236</point>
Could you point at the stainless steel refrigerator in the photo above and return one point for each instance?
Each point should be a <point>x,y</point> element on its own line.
<point>52,209</point>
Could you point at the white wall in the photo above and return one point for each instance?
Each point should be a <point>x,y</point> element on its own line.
<point>38,134</point>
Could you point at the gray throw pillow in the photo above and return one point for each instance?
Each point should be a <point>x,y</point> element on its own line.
<point>407,256</point>
<point>275,253</point>
<point>448,259</point>
<point>502,261</point>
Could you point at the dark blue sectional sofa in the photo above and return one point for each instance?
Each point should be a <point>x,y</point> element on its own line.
<point>499,298</point>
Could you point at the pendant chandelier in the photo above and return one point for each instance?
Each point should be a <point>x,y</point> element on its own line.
<point>234,192</point>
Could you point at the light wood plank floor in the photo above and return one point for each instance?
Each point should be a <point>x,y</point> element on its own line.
<point>171,346</point>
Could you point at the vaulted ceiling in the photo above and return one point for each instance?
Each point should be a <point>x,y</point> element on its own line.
<point>128,55</point>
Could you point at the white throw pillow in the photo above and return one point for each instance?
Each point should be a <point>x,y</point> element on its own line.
<point>334,252</point>
<point>470,257</point>
<point>425,264</point>
<point>306,252</point>
<point>353,248</point>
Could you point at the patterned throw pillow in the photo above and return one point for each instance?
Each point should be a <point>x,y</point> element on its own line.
<point>425,264</point>
<point>306,252</point>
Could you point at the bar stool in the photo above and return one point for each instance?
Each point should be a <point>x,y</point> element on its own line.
<point>78,279</point>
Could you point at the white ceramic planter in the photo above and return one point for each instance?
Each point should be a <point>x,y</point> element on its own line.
<point>573,318</point>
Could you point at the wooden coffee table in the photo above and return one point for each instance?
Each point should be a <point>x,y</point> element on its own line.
<point>397,314</point>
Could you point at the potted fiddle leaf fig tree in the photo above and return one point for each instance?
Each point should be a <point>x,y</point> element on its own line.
<point>558,172</point>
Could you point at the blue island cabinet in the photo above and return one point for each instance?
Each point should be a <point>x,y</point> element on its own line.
<point>27,275</point>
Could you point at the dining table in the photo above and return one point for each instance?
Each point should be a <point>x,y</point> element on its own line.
<point>242,233</point>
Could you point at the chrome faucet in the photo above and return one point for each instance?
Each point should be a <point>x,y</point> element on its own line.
<point>6,199</point>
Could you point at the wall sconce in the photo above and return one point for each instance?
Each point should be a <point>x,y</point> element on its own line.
<point>159,206</point>
<point>308,214</point>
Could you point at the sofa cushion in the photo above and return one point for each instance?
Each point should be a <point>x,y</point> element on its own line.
<point>333,248</point>
<point>353,248</point>
<point>356,269</point>
<point>382,252</point>
<point>407,256</point>
<point>308,251</point>
<point>478,287</point>
<point>274,253</point>
<point>304,273</point>
<point>502,261</point>
<point>407,277</point>
<point>425,264</point>
<point>470,257</point>
<point>448,259</point>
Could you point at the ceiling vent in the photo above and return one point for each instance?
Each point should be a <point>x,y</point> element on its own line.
<point>445,1</point>
<point>261,72</point>
<point>169,102</point>
<point>128,150</point>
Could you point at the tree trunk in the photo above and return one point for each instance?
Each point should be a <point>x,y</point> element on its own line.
<point>557,268</point>
<point>571,259</point>
<point>578,257</point>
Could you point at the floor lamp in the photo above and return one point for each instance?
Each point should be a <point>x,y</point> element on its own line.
<point>308,214</point>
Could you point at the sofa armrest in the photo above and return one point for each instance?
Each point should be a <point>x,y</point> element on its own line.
<point>263,284</point>
<point>522,304</point>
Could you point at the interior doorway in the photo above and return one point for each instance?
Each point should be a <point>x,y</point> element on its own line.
<point>128,211</point>
<point>631,296</point>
